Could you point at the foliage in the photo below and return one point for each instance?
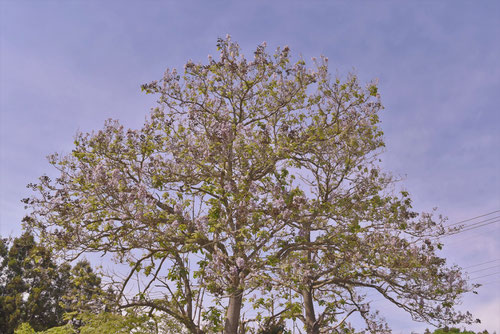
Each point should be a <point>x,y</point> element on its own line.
<point>254,182</point>
<point>34,289</point>
<point>103,323</point>
<point>454,330</point>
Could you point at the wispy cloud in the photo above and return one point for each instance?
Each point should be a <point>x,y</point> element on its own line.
<point>69,67</point>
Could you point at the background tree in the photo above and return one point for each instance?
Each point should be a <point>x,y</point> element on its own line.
<point>249,172</point>
<point>36,290</point>
<point>106,323</point>
<point>453,330</point>
<point>85,292</point>
<point>4,251</point>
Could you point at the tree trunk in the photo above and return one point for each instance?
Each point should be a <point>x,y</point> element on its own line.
<point>311,326</point>
<point>233,313</point>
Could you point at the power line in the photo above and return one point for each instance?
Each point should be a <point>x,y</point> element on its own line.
<point>477,226</point>
<point>471,266</point>
<point>475,271</point>
<point>472,226</point>
<point>466,220</point>
<point>498,272</point>
<point>481,221</point>
<point>470,237</point>
<point>469,229</point>
<point>480,264</point>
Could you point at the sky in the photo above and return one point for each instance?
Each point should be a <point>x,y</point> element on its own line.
<point>68,66</point>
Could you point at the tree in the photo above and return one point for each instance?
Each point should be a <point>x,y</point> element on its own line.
<point>104,323</point>
<point>251,176</point>
<point>34,289</point>
<point>453,330</point>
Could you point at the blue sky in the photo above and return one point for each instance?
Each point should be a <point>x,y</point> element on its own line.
<point>68,66</point>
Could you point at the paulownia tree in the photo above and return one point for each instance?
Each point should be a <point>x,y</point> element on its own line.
<point>250,177</point>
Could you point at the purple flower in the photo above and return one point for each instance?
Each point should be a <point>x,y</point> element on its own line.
<point>278,203</point>
<point>233,271</point>
<point>240,262</point>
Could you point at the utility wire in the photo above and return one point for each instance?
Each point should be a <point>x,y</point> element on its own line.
<point>470,237</point>
<point>439,237</point>
<point>475,271</point>
<point>469,229</point>
<point>472,226</point>
<point>477,226</point>
<point>498,272</point>
<point>481,221</point>
<point>471,266</point>
<point>480,264</point>
<point>466,220</point>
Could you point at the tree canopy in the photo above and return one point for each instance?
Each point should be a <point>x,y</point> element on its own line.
<point>254,183</point>
<point>102,323</point>
<point>36,290</point>
<point>453,330</point>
